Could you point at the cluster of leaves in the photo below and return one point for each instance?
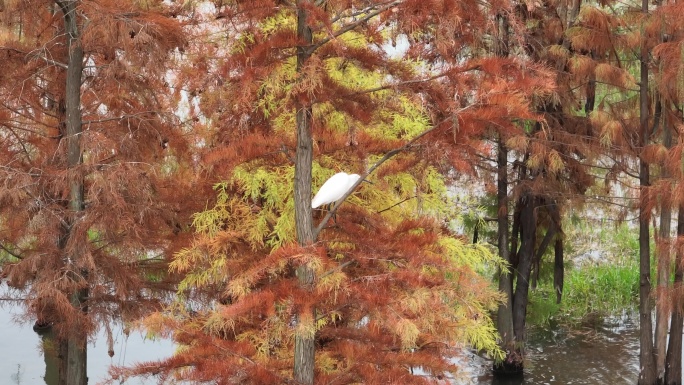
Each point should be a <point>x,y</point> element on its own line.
<point>402,283</point>
<point>130,153</point>
<point>395,289</point>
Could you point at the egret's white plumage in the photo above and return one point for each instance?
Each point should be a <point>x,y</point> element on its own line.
<point>334,188</point>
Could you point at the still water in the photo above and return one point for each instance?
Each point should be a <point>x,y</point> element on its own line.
<point>604,354</point>
<point>22,361</point>
<point>607,354</point>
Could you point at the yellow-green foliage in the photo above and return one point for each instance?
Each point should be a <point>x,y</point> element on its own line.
<point>241,237</point>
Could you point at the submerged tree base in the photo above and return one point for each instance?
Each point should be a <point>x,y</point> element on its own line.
<point>512,366</point>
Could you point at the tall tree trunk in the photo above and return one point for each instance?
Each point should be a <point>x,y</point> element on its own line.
<point>536,262</point>
<point>304,354</point>
<point>558,269</point>
<point>663,249</point>
<point>504,320</point>
<point>647,373</point>
<point>51,356</point>
<point>528,229</point>
<point>673,362</point>
<point>76,341</point>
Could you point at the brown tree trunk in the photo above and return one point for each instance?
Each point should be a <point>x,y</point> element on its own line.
<point>76,340</point>
<point>51,356</point>
<point>663,249</point>
<point>504,320</point>
<point>647,373</point>
<point>673,362</point>
<point>304,354</point>
<point>528,228</point>
<point>536,263</point>
<point>558,269</point>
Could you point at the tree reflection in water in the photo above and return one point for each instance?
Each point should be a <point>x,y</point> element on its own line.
<point>606,354</point>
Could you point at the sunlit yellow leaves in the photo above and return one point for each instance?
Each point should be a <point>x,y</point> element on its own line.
<point>332,282</point>
<point>555,162</point>
<point>408,332</point>
<point>417,301</point>
<point>327,363</point>
<point>282,21</point>
<point>518,143</point>
<point>474,256</point>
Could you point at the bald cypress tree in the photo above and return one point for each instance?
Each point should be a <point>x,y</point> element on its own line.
<point>275,292</point>
<point>91,157</point>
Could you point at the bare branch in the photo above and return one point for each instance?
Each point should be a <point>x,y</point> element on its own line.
<point>377,164</point>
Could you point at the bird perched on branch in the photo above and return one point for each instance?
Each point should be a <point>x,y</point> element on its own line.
<point>334,188</point>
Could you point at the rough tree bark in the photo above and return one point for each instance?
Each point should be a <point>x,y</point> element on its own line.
<point>647,373</point>
<point>673,364</point>
<point>512,361</point>
<point>528,229</point>
<point>76,340</point>
<point>663,268</point>
<point>304,343</point>
<point>558,269</point>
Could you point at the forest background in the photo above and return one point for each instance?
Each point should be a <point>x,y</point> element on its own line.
<point>158,161</point>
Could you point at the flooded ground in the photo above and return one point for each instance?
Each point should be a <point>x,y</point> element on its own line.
<point>22,361</point>
<point>607,354</point>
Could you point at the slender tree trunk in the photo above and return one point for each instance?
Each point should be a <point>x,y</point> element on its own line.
<point>647,373</point>
<point>51,356</point>
<point>546,241</point>
<point>76,352</point>
<point>528,227</point>
<point>663,249</point>
<point>558,269</point>
<point>512,362</point>
<point>304,354</point>
<point>673,363</point>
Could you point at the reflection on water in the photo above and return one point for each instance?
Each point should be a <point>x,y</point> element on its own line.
<point>604,355</point>
<point>608,354</point>
<point>22,361</point>
<point>51,356</point>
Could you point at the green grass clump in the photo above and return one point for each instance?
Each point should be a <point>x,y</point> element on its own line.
<point>590,293</point>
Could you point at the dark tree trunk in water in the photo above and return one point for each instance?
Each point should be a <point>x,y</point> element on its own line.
<point>304,354</point>
<point>513,360</point>
<point>76,340</point>
<point>647,373</point>
<point>663,249</point>
<point>536,263</point>
<point>673,362</point>
<point>528,228</point>
<point>51,355</point>
<point>558,269</point>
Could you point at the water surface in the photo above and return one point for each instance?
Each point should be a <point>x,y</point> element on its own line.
<point>22,361</point>
<point>606,354</point>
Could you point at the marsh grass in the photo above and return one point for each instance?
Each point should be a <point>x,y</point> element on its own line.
<point>601,279</point>
<point>591,293</point>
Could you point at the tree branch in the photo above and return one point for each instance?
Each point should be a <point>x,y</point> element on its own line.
<point>17,256</point>
<point>310,49</point>
<point>397,204</point>
<point>377,164</point>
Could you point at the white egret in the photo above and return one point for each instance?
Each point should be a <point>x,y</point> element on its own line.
<point>334,188</point>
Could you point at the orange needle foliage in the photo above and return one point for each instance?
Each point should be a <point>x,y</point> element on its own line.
<point>92,220</point>
<point>395,290</point>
